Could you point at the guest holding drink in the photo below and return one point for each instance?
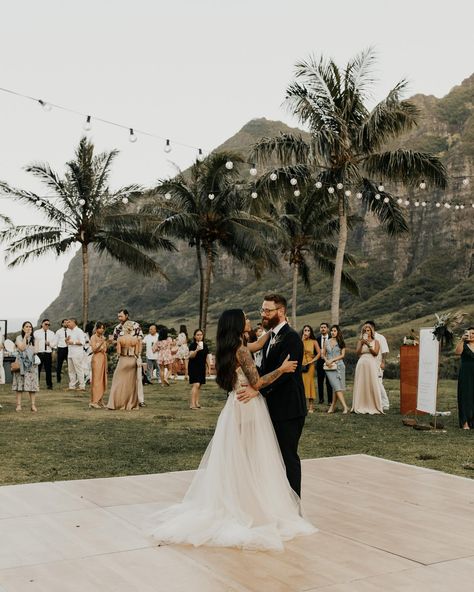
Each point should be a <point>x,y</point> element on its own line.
<point>311,354</point>
<point>26,379</point>
<point>98,366</point>
<point>366,396</point>
<point>198,352</point>
<point>465,349</point>
<point>333,355</point>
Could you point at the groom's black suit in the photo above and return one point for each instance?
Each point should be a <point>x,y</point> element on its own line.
<point>286,399</point>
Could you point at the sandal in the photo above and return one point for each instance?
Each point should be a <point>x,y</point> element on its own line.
<point>18,408</point>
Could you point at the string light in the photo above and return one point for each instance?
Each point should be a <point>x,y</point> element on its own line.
<point>167,147</point>
<point>253,170</point>
<point>273,177</point>
<point>417,203</point>
<point>407,202</point>
<point>211,196</point>
<point>330,189</point>
<point>229,165</point>
<point>46,106</point>
<point>254,195</point>
<point>422,185</point>
<point>200,155</point>
<point>168,195</point>
<point>297,193</point>
<point>381,187</point>
<point>125,200</point>
<point>132,137</point>
<point>399,201</point>
<point>437,204</point>
<point>87,126</point>
<point>423,203</point>
<point>82,202</point>
<point>377,196</point>
<point>293,181</point>
<point>465,182</point>
<point>318,184</point>
<point>347,192</point>
<point>359,195</point>
<point>386,200</point>
<point>339,186</point>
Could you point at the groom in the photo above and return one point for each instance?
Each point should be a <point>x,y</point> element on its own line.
<point>285,397</point>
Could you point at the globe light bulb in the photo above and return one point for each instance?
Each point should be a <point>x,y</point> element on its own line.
<point>200,155</point>
<point>167,147</point>
<point>407,202</point>
<point>417,203</point>
<point>253,171</point>
<point>399,201</point>
<point>82,202</point>
<point>211,196</point>
<point>465,182</point>
<point>87,126</point>
<point>422,185</point>
<point>386,200</point>
<point>381,187</point>
<point>359,195</point>
<point>132,137</point>
<point>462,206</point>
<point>46,106</point>
<point>330,189</point>
<point>347,192</point>
<point>293,181</point>
<point>297,193</point>
<point>318,184</point>
<point>438,204</point>
<point>447,206</point>
<point>254,195</point>
<point>273,177</point>
<point>229,165</point>
<point>377,196</point>
<point>423,204</point>
<point>472,205</point>
<point>168,195</point>
<point>125,200</point>
<point>339,185</point>
<point>456,207</point>
<point>39,203</point>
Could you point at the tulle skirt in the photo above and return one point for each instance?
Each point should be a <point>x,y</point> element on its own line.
<point>239,496</point>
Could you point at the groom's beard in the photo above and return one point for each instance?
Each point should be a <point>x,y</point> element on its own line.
<point>270,324</point>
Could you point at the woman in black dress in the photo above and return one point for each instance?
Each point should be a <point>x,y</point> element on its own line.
<point>465,348</point>
<point>198,352</point>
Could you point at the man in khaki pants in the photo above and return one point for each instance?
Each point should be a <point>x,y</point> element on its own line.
<point>75,356</point>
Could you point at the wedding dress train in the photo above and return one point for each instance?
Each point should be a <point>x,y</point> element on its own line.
<point>239,496</point>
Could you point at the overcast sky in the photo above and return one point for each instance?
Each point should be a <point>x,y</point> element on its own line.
<point>192,70</point>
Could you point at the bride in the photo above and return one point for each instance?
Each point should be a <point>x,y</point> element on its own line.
<point>239,496</point>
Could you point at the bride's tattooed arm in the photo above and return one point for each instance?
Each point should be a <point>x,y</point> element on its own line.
<point>247,364</point>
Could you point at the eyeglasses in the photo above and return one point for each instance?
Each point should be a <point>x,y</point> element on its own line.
<point>48,324</point>
<point>269,310</point>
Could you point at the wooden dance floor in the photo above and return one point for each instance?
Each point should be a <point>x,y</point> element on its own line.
<point>383,526</point>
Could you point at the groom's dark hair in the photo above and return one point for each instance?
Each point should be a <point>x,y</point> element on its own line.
<point>278,299</point>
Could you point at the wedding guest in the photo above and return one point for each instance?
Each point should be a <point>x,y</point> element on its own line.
<point>75,356</point>
<point>151,350</point>
<point>465,349</point>
<point>333,355</point>
<point>98,345</point>
<point>182,355</point>
<point>61,336</point>
<point>381,360</point>
<point>165,357</point>
<point>258,355</point>
<point>123,317</point>
<point>124,388</point>
<point>26,379</point>
<point>198,352</point>
<point>88,331</point>
<point>366,394</point>
<point>322,338</point>
<point>311,353</point>
<point>45,341</point>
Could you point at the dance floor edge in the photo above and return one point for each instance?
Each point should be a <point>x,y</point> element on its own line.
<point>383,526</point>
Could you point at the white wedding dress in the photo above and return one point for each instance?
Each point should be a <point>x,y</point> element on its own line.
<point>239,496</point>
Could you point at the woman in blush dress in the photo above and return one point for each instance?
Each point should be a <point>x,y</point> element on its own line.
<point>165,357</point>
<point>366,397</point>
<point>240,495</point>
<point>182,355</point>
<point>124,389</point>
<point>98,345</point>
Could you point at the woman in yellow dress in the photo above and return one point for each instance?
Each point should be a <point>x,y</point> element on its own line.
<point>312,352</point>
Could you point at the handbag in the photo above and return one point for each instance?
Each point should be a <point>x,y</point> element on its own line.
<point>37,360</point>
<point>329,368</point>
<point>15,366</point>
<point>305,368</point>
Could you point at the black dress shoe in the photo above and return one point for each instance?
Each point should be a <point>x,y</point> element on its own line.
<point>141,405</point>
<point>50,388</point>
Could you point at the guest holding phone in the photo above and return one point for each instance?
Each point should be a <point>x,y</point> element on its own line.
<point>465,349</point>
<point>366,397</point>
<point>198,352</point>
<point>26,379</point>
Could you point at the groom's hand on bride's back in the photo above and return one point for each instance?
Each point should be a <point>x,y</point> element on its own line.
<point>246,394</point>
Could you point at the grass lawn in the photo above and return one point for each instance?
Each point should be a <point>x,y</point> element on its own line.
<point>66,440</point>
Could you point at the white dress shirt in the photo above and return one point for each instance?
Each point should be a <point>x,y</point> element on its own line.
<point>150,341</point>
<point>324,340</point>
<point>275,332</point>
<point>61,335</point>
<point>79,340</point>
<point>41,337</point>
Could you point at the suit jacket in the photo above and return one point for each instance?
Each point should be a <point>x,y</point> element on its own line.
<point>285,397</point>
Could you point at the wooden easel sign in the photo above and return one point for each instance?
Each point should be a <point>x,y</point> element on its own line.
<point>428,372</point>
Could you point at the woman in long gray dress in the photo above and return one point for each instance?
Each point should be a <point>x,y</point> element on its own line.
<point>333,355</point>
<point>26,379</point>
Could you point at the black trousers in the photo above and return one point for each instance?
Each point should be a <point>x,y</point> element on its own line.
<point>322,377</point>
<point>62,357</point>
<point>46,363</point>
<point>288,434</point>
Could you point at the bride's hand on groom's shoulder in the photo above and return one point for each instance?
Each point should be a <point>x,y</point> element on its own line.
<point>246,394</point>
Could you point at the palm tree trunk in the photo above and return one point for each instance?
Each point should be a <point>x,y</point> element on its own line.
<point>293,295</point>
<point>85,285</point>
<point>341,249</point>
<point>207,289</point>
<point>201,280</point>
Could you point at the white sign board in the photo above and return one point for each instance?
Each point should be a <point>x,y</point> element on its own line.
<point>427,371</point>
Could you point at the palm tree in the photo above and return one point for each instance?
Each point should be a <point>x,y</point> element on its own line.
<point>209,208</point>
<point>307,227</point>
<point>347,145</point>
<point>82,209</point>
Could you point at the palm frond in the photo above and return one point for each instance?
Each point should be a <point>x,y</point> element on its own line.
<point>390,215</point>
<point>285,148</point>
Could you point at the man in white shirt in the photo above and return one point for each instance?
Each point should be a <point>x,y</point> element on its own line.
<point>75,357</point>
<point>45,341</point>
<point>150,341</point>
<point>322,378</point>
<point>381,358</point>
<point>61,335</point>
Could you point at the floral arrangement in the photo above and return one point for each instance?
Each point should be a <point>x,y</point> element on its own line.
<point>411,339</point>
<point>446,325</point>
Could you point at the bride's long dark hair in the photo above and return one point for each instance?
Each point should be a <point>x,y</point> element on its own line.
<point>230,329</point>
